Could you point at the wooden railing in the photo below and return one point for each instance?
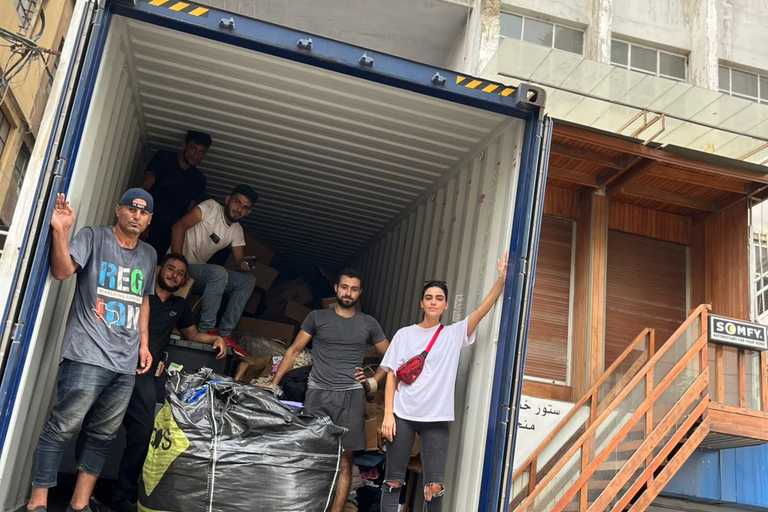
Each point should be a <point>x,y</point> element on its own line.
<point>638,440</point>
<point>602,392</point>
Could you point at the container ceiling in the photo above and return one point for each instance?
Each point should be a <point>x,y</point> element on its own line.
<point>335,158</point>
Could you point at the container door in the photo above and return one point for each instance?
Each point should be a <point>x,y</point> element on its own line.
<point>24,264</point>
<point>513,331</point>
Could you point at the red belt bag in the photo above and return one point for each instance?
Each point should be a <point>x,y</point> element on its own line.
<point>410,370</point>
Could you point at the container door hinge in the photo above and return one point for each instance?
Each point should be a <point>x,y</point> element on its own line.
<point>59,167</point>
<point>504,415</point>
<point>17,332</point>
<point>98,14</point>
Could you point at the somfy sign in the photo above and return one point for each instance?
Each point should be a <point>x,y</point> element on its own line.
<point>738,333</point>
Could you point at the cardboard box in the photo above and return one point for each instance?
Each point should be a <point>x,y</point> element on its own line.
<point>266,329</point>
<point>252,306</point>
<point>295,290</point>
<point>258,249</point>
<point>374,441</point>
<point>287,311</point>
<point>265,275</point>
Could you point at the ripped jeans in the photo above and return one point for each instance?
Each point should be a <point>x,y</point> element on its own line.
<point>434,449</point>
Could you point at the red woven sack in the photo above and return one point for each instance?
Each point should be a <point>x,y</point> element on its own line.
<point>410,370</point>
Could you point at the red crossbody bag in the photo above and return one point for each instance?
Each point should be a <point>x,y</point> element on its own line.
<point>410,370</point>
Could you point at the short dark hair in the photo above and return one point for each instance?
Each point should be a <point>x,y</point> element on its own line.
<point>350,272</point>
<point>246,191</point>
<point>174,256</point>
<point>196,137</point>
<point>435,284</point>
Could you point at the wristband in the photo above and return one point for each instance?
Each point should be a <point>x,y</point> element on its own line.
<point>373,384</point>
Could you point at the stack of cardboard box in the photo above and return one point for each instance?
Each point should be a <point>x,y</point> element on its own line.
<point>285,304</point>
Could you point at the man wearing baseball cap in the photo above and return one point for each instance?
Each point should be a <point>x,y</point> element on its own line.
<point>106,341</point>
<point>201,233</point>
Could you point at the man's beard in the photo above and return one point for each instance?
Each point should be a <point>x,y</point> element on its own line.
<point>165,286</point>
<point>346,306</point>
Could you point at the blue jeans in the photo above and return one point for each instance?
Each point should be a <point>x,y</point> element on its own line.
<point>88,397</point>
<point>212,282</point>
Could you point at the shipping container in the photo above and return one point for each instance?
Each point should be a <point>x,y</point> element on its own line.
<point>408,171</point>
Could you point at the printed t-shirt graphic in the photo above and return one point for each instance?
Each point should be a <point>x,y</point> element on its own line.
<point>103,324</point>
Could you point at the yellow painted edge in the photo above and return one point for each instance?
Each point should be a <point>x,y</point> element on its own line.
<point>490,88</point>
<point>158,3</point>
<point>474,83</point>
<point>507,91</point>
<point>178,6</point>
<point>198,11</point>
<point>460,79</point>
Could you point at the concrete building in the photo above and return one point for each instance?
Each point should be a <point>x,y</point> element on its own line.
<point>23,98</point>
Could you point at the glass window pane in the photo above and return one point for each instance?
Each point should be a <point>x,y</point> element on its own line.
<point>511,26</point>
<point>764,88</point>
<point>643,59</point>
<point>538,32</point>
<point>619,53</point>
<point>744,83</point>
<point>672,65</point>
<point>569,40</point>
<point>724,79</point>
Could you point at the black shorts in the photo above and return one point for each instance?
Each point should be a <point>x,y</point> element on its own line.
<point>345,408</point>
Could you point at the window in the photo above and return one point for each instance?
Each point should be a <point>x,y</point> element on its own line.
<point>648,60</point>
<point>20,166</point>
<point>25,9</point>
<point>542,33</point>
<point>751,85</point>
<point>5,131</point>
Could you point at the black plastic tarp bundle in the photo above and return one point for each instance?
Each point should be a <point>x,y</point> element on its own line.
<point>225,447</point>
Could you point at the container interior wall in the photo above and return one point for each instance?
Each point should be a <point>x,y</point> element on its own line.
<point>456,233</point>
<point>107,160</point>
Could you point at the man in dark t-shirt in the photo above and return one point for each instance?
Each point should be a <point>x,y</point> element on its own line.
<point>340,337</point>
<point>167,312</point>
<point>176,185</point>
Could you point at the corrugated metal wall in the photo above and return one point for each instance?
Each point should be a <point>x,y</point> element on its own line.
<point>456,232</point>
<point>736,475</point>
<point>110,150</point>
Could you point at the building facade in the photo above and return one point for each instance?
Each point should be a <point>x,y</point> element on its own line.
<point>43,23</point>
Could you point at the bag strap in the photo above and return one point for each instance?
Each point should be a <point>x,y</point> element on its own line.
<point>434,339</point>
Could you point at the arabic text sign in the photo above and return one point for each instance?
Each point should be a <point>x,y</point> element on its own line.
<point>537,418</point>
<point>738,333</point>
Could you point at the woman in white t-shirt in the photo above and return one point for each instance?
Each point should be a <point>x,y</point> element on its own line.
<point>426,405</point>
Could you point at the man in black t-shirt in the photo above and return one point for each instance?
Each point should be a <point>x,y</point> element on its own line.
<point>167,312</point>
<point>176,185</point>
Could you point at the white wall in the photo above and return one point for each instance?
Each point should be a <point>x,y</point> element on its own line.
<point>661,22</point>
<point>743,36</point>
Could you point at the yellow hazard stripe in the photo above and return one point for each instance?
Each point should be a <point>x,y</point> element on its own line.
<point>181,7</point>
<point>484,85</point>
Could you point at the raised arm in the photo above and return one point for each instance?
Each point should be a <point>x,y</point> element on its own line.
<point>179,229</point>
<point>62,220</point>
<point>493,295</point>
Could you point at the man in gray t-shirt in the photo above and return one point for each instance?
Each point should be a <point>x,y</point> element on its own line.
<point>106,341</point>
<point>340,338</point>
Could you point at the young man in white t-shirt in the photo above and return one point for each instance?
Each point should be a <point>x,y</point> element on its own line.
<point>201,233</point>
